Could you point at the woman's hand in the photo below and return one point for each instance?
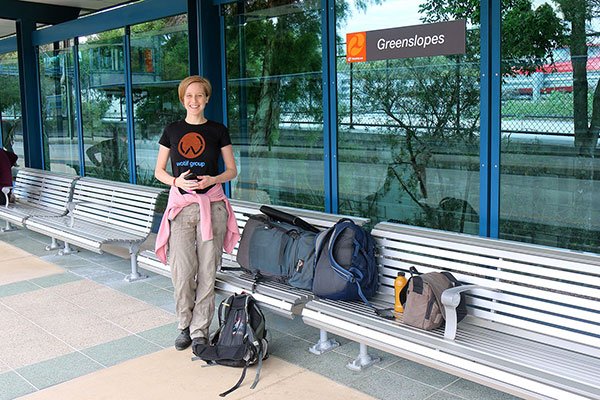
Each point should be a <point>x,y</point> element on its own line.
<point>205,181</point>
<point>186,184</point>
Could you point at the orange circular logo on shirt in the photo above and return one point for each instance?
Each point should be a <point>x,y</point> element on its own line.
<point>191,145</point>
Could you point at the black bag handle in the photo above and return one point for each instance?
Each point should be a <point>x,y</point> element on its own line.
<point>413,272</point>
<point>289,218</point>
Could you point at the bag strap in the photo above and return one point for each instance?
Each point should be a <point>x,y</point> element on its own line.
<point>224,309</point>
<point>320,241</point>
<point>230,268</point>
<point>257,278</point>
<point>255,342</point>
<point>353,275</point>
<point>452,279</point>
<point>388,313</point>
<point>289,218</point>
<point>239,382</point>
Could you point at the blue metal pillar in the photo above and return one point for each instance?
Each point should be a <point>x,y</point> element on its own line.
<point>495,116</point>
<point>78,109</point>
<point>30,100</point>
<point>209,55</point>
<point>129,106</point>
<point>223,88</point>
<point>485,94</point>
<point>329,106</point>
<point>242,94</point>
<point>193,37</point>
<point>210,61</point>
<point>1,128</point>
<point>489,196</point>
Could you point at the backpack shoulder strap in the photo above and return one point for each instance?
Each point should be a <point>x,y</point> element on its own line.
<point>321,239</point>
<point>452,278</point>
<point>224,309</point>
<point>239,382</point>
<point>438,283</point>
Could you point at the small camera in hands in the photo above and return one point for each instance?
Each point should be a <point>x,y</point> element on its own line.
<point>190,177</point>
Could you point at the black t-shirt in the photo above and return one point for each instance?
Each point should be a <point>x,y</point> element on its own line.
<point>195,147</point>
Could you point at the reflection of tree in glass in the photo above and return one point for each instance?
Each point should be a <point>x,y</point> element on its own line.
<point>156,101</point>
<point>283,53</point>
<point>432,108</point>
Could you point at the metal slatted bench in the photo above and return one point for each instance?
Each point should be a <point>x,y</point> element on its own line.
<point>103,212</point>
<point>282,299</point>
<point>37,193</point>
<point>533,323</point>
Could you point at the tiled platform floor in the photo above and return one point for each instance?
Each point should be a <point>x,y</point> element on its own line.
<point>73,320</point>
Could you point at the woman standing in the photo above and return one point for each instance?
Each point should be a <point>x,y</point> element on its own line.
<point>198,221</point>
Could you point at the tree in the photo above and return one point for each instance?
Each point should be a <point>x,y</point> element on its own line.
<point>577,13</point>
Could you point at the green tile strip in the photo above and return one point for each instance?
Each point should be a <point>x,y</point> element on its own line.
<point>13,386</point>
<point>57,370</point>
<point>12,289</point>
<point>73,365</point>
<point>163,335</point>
<point>55,280</point>
<point>120,350</point>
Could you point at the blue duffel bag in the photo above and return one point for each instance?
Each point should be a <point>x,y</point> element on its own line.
<point>345,268</point>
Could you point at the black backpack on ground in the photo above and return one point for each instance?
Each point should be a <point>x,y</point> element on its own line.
<point>240,340</point>
<point>277,246</point>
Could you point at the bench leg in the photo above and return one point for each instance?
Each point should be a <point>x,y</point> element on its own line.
<point>8,227</point>
<point>135,275</point>
<point>67,250</point>
<point>364,360</point>
<point>53,245</point>
<point>324,344</point>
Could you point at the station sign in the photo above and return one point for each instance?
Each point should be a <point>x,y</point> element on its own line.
<point>426,40</point>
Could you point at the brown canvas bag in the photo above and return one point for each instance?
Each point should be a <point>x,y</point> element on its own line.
<point>423,305</point>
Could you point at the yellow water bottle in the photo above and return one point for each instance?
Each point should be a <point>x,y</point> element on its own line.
<point>399,283</point>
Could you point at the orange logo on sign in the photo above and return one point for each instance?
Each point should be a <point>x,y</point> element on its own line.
<point>191,145</point>
<point>356,46</point>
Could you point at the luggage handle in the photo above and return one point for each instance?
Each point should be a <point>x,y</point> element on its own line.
<point>286,217</point>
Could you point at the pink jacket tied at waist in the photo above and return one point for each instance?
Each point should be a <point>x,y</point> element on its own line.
<point>176,203</point>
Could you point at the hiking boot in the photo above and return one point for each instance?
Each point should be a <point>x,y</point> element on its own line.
<point>184,340</point>
<point>199,340</point>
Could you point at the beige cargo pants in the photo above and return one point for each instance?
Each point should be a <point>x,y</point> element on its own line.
<point>194,264</point>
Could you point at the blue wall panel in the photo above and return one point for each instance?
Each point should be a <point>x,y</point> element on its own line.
<point>7,45</point>
<point>127,15</point>
<point>30,95</point>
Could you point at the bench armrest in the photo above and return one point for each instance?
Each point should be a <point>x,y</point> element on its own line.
<point>6,191</point>
<point>451,300</point>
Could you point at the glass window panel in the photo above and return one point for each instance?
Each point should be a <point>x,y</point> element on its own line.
<point>275,101</point>
<point>10,106</point>
<point>58,107</point>
<point>102,74</point>
<point>408,129</point>
<point>550,124</point>
<point>159,61</point>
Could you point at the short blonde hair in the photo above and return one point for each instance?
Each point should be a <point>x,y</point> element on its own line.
<point>183,85</point>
